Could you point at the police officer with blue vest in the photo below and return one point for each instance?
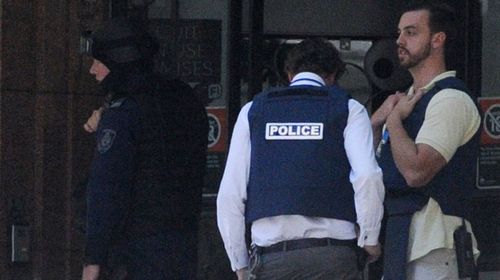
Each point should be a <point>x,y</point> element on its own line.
<point>301,177</point>
<point>428,148</point>
<point>144,190</point>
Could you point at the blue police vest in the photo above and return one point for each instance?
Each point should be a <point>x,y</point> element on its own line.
<point>298,161</point>
<point>457,177</point>
<point>451,187</point>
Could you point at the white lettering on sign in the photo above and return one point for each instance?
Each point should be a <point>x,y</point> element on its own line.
<point>294,131</point>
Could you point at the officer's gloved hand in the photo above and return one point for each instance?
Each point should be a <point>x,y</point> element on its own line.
<point>91,125</point>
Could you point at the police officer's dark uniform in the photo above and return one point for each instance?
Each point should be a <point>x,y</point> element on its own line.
<point>144,191</point>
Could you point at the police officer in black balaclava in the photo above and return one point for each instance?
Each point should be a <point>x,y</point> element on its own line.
<point>144,190</point>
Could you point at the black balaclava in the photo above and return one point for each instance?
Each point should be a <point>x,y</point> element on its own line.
<point>127,50</point>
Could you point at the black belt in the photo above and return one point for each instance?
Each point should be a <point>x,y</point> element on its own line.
<point>305,243</point>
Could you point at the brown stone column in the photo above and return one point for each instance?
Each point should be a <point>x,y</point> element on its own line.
<point>45,96</point>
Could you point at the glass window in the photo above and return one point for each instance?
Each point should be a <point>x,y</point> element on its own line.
<point>490,72</point>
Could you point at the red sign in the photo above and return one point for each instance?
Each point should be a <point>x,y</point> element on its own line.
<point>490,132</point>
<point>488,162</point>
<point>217,131</point>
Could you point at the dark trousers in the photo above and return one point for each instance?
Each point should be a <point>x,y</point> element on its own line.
<point>328,262</point>
<point>173,255</point>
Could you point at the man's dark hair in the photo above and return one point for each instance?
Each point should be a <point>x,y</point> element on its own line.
<point>315,55</point>
<point>442,18</point>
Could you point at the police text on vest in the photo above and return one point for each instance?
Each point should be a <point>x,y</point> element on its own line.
<point>294,131</point>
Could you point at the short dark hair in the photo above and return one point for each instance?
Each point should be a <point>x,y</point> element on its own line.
<point>442,18</point>
<point>315,55</point>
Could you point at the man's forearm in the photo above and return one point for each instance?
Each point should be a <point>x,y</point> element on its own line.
<point>377,135</point>
<point>404,150</point>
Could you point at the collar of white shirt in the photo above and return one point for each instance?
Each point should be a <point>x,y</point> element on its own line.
<point>307,78</point>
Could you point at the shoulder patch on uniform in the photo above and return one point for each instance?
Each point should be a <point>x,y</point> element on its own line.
<point>294,131</point>
<point>117,103</point>
<point>106,140</point>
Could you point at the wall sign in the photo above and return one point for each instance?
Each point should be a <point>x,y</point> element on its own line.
<point>217,147</point>
<point>190,49</point>
<point>217,131</point>
<point>488,166</point>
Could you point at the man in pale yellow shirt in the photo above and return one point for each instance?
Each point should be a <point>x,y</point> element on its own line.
<point>427,150</point>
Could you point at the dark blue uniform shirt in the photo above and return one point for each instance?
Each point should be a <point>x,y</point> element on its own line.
<point>110,182</point>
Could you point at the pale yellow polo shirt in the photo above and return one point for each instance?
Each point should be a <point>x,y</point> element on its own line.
<point>451,119</point>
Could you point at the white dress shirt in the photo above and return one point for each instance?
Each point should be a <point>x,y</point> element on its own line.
<point>365,176</point>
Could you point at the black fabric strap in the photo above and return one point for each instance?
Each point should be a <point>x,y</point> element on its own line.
<point>305,243</point>
<point>396,244</point>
